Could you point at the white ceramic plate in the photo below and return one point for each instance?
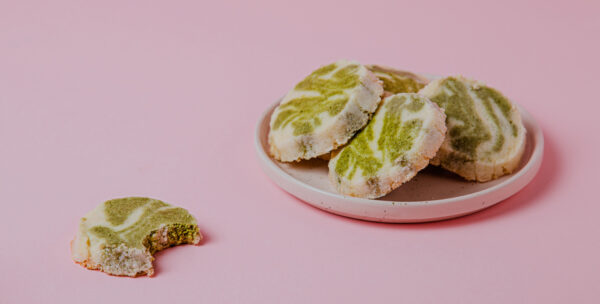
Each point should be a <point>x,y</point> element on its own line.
<point>433,194</point>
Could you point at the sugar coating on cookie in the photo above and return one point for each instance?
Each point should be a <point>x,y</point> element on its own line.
<point>401,138</point>
<point>120,236</point>
<point>323,111</point>
<point>397,81</point>
<point>486,137</point>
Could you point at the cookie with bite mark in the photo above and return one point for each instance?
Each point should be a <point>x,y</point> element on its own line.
<point>120,236</point>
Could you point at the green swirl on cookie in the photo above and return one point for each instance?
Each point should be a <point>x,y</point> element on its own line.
<point>323,92</point>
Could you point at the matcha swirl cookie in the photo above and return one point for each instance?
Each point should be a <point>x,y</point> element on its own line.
<point>401,138</point>
<point>485,138</point>
<point>120,236</point>
<point>396,81</point>
<point>323,111</point>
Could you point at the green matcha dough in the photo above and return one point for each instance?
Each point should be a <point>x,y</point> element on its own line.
<point>396,81</point>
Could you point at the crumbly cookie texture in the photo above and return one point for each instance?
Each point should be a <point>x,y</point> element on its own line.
<point>401,138</point>
<point>397,81</point>
<point>485,138</point>
<point>323,111</point>
<point>120,236</point>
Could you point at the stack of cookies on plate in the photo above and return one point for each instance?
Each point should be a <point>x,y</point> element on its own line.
<point>378,127</point>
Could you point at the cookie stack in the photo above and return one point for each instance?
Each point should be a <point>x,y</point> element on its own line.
<point>378,127</point>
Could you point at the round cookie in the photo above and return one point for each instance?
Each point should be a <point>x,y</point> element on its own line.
<point>323,111</point>
<point>485,138</point>
<point>401,138</point>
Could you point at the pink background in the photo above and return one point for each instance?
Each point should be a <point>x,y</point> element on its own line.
<point>122,98</point>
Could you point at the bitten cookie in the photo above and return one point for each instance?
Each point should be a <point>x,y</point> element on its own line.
<point>323,111</point>
<point>120,236</point>
<point>485,138</point>
<point>401,138</point>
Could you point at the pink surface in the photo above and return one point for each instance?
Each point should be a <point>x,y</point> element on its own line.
<point>119,98</point>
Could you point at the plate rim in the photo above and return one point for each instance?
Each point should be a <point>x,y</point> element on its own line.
<point>502,190</point>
